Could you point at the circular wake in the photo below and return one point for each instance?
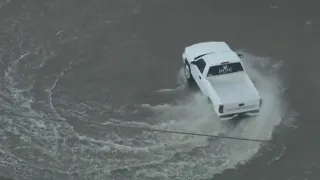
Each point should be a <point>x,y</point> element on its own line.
<point>64,150</point>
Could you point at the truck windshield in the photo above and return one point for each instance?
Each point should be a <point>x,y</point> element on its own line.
<point>225,69</point>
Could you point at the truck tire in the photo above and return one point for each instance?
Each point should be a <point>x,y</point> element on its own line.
<point>187,73</point>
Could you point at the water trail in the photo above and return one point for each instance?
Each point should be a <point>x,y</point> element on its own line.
<point>55,147</point>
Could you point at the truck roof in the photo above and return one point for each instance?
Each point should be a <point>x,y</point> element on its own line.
<point>221,57</point>
<point>201,48</point>
<point>213,52</point>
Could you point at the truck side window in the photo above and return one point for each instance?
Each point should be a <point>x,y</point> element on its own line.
<point>201,64</point>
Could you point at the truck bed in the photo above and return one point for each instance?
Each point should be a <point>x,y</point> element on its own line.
<point>233,88</point>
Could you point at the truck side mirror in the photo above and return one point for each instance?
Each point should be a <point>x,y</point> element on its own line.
<point>240,55</point>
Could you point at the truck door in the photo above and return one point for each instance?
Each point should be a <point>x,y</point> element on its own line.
<point>197,69</point>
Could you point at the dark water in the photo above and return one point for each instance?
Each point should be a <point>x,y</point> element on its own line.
<point>108,62</point>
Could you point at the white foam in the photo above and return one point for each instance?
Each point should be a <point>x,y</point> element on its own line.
<point>149,154</point>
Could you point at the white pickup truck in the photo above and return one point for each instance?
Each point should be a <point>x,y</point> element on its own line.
<point>220,75</point>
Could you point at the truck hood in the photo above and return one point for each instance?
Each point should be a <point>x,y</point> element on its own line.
<point>234,88</point>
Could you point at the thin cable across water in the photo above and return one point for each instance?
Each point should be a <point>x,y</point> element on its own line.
<point>141,128</point>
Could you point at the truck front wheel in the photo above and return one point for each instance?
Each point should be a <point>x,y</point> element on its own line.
<point>187,73</point>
